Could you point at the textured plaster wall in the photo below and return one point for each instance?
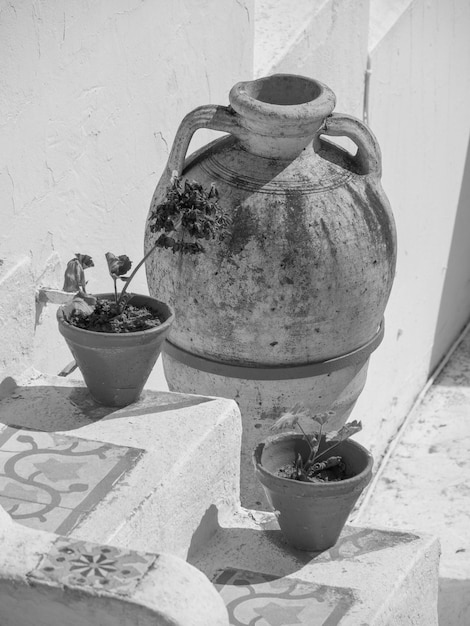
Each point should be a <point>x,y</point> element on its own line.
<point>91,94</point>
<point>324,39</point>
<point>419,94</point>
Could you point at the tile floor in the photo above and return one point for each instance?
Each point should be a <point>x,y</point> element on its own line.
<point>93,566</point>
<point>50,481</point>
<point>267,600</point>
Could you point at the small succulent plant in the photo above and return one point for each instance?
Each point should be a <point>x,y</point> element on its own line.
<point>317,467</point>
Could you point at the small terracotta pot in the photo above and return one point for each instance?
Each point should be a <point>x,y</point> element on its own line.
<point>311,515</point>
<point>116,366</point>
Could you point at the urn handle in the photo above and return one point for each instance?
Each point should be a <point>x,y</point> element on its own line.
<point>368,157</point>
<point>211,116</point>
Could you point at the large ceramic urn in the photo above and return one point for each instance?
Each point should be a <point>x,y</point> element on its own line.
<point>290,305</point>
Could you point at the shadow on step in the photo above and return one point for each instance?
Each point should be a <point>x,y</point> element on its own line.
<point>61,408</point>
<point>454,602</point>
<point>260,576</point>
<point>265,549</point>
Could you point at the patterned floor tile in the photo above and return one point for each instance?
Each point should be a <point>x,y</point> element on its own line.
<point>50,481</point>
<point>30,514</point>
<point>93,566</point>
<point>265,600</point>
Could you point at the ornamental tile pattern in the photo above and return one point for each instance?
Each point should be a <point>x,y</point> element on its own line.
<point>50,481</point>
<point>93,566</point>
<point>265,600</point>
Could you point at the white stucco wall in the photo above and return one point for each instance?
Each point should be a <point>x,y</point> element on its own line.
<point>91,94</point>
<point>419,94</point>
<point>324,39</point>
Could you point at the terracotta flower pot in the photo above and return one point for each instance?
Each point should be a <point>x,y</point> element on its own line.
<point>116,366</point>
<point>311,515</point>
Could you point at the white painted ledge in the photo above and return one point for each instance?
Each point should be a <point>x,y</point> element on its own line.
<point>163,589</point>
<point>371,576</point>
<point>188,468</point>
<point>54,296</point>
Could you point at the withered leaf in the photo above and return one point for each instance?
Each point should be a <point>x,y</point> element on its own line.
<point>289,419</point>
<point>322,418</point>
<point>345,432</point>
<point>118,265</point>
<point>74,277</point>
<point>82,303</point>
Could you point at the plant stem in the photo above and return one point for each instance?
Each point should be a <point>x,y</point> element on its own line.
<point>306,438</point>
<point>313,449</point>
<point>115,291</point>
<point>328,449</point>
<point>313,452</point>
<point>134,272</point>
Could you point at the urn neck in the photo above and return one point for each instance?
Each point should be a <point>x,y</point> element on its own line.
<point>281,113</point>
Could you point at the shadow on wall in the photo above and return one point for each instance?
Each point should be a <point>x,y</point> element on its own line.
<point>454,309</point>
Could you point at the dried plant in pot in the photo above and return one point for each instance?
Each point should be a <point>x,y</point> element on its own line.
<point>312,481</point>
<point>117,337</point>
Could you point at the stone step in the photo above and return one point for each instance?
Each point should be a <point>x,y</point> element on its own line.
<point>162,475</point>
<point>425,483</point>
<point>48,580</point>
<point>370,577</point>
<point>152,476</point>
